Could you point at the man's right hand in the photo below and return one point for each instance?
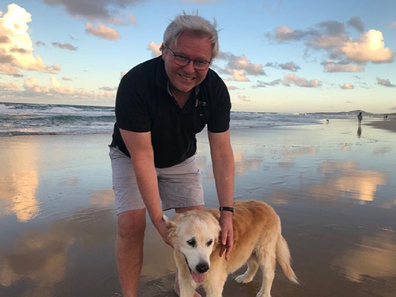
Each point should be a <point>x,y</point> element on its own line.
<point>163,231</point>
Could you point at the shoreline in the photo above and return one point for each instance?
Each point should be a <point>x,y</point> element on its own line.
<point>388,124</point>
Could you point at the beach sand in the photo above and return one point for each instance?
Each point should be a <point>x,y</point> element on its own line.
<point>333,186</point>
<point>387,124</point>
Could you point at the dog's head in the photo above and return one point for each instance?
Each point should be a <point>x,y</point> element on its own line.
<point>194,234</point>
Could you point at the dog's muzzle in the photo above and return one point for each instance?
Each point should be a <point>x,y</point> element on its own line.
<point>201,269</point>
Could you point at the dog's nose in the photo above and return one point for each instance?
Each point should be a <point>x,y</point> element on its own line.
<point>202,267</point>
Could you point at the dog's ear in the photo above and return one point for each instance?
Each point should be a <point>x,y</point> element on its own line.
<point>168,222</point>
<point>171,225</point>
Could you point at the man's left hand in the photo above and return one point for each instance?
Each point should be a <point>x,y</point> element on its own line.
<point>227,233</point>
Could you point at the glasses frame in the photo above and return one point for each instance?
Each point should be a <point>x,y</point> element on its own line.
<point>176,55</point>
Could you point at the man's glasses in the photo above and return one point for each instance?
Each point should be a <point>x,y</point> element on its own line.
<point>183,61</point>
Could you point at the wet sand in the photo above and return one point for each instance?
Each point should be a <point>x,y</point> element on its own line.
<point>387,124</point>
<point>333,186</point>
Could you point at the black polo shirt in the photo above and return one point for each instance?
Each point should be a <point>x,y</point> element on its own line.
<point>144,104</point>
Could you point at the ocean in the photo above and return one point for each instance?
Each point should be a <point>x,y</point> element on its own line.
<point>41,119</point>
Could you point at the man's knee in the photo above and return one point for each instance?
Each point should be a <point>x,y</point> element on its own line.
<point>131,225</point>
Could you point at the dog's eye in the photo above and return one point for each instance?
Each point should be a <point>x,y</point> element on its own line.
<point>209,242</point>
<point>192,242</point>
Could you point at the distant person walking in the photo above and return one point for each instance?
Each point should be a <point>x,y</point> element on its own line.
<point>360,117</point>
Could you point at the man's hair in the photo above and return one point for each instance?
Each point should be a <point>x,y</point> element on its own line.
<point>194,23</point>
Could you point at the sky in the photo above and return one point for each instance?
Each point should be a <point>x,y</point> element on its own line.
<point>275,55</point>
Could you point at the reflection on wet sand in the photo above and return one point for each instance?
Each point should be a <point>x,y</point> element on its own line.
<point>350,181</point>
<point>42,257</point>
<point>359,131</point>
<point>102,198</point>
<point>39,257</point>
<point>382,151</point>
<point>19,195</point>
<point>19,182</point>
<point>373,257</point>
<point>290,153</point>
<point>242,164</point>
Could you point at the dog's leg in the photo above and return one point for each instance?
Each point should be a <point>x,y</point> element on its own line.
<point>248,276</point>
<point>186,289</point>
<point>184,277</point>
<point>267,264</point>
<point>214,283</point>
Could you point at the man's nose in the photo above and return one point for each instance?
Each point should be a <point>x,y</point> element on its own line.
<point>189,68</point>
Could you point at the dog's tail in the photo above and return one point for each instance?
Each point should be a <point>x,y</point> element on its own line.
<point>284,259</point>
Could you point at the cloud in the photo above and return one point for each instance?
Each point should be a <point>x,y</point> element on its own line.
<point>393,24</point>
<point>103,10</point>
<point>364,85</point>
<point>262,84</point>
<point>154,48</point>
<point>9,70</point>
<point>347,86</point>
<point>242,63</point>
<point>244,98</point>
<point>232,88</point>
<point>30,85</point>
<point>40,43</point>
<point>16,48</point>
<point>332,38</point>
<point>393,107</point>
<point>66,46</point>
<point>9,86</point>
<point>272,8</point>
<point>357,24</point>
<point>385,83</point>
<point>291,66</point>
<point>67,78</point>
<point>239,67</point>
<point>370,47</point>
<point>284,33</point>
<point>109,89</point>
<point>102,31</point>
<point>331,66</point>
<point>32,89</point>
<point>301,81</point>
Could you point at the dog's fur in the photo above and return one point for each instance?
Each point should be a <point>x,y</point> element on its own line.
<point>257,242</point>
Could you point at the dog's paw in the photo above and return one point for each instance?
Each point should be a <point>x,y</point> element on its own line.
<point>242,279</point>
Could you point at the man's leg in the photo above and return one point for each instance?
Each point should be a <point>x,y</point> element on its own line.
<point>129,249</point>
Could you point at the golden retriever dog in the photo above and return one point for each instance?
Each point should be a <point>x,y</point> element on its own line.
<point>258,242</point>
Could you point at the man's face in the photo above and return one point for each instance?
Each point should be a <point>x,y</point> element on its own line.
<point>184,79</point>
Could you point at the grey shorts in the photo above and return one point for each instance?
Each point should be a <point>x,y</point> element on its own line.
<point>179,185</point>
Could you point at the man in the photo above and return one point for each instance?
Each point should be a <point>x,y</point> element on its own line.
<point>360,117</point>
<point>161,104</point>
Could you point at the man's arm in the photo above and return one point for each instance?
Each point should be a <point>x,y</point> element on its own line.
<point>224,173</point>
<point>142,158</point>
